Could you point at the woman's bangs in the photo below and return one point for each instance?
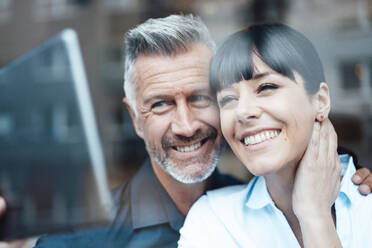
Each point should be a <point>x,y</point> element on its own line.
<point>232,63</point>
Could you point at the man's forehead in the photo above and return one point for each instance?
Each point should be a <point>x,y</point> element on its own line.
<point>188,70</point>
<point>198,54</point>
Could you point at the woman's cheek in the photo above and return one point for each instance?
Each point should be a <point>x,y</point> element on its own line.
<point>226,124</point>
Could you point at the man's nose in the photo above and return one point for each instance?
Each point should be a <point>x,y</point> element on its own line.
<point>184,122</point>
<point>248,109</point>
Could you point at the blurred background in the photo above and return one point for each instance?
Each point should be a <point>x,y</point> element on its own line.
<point>340,29</point>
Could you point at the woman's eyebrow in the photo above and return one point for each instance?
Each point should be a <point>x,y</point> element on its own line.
<point>262,75</point>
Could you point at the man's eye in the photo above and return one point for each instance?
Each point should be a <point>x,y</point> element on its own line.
<point>266,86</point>
<point>200,100</point>
<point>226,100</point>
<point>160,104</point>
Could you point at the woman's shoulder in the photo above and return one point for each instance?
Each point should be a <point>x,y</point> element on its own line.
<point>208,223</point>
<point>212,220</point>
<point>235,194</point>
<point>221,197</point>
<point>226,191</point>
<point>217,201</point>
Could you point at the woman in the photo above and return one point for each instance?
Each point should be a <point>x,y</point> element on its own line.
<point>273,100</point>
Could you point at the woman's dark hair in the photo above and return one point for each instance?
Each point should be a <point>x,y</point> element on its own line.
<point>282,48</point>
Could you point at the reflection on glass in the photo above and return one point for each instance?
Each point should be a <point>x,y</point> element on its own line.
<point>46,172</point>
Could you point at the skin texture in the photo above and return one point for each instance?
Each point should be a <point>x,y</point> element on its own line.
<point>272,102</point>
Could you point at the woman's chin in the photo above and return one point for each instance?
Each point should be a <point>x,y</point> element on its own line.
<point>262,169</point>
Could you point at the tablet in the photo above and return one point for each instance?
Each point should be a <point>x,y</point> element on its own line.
<point>52,170</point>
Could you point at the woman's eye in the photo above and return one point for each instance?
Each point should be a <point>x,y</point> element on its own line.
<point>265,87</point>
<point>226,100</point>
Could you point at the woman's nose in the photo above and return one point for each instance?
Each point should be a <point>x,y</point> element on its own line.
<point>248,109</point>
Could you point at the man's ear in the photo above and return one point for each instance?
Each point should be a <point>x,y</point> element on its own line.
<point>136,122</point>
<point>323,102</point>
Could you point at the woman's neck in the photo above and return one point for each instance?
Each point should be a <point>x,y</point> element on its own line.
<point>280,187</point>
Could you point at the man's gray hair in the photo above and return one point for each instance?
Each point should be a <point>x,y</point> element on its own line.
<point>167,36</point>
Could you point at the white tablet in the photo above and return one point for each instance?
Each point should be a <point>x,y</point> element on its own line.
<point>52,169</point>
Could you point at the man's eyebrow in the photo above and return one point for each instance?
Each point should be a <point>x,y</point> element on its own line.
<point>202,90</point>
<point>156,97</point>
<point>168,97</point>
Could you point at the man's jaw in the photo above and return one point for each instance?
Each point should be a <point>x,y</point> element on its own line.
<point>197,167</point>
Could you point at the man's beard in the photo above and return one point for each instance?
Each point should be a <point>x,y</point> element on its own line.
<point>176,168</point>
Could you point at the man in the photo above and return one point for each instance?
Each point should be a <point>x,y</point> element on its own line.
<point>173,111</point>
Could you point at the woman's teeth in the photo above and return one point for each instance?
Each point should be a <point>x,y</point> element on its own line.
<point>260,137</point>
<point>188,148</point>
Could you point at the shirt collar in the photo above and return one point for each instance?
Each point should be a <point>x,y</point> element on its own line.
<point>348,189</point>
<point>150,203</point>
<point>258,195</point>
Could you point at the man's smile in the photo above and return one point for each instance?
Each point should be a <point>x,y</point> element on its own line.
<point>191,147</point>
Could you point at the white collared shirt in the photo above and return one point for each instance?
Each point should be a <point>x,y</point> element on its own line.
<point>245,216</point>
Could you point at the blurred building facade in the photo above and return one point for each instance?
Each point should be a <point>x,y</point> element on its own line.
<point>341,30</point>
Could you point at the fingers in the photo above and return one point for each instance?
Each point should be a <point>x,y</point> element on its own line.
<point>328,146</point>
<point>366,185</point>
<point>363,177</point>
<point>14,244</point>
<point>360,175</point>
<point>332,144</point>
<point>365,189</point>
<point>2,206</point>
<point>332,135</point>
<point>313,148</point>
<point>325,143</point>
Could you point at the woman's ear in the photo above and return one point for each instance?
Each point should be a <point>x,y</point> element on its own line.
<point>322,102</point>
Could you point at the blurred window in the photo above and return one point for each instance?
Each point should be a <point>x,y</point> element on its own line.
<point>351,74</point>
<point>6,125</point>
<point>370,73</point>
<point>121,5</point>
<point>53,65</point>
<point>356,75</point>
<point>5,11</point>
<point>45,10</point>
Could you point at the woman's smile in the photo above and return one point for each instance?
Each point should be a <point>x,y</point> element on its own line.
<point>260,140</point>
<point>250,139</point>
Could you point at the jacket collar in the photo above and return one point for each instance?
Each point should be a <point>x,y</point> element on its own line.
<point>150,203</point>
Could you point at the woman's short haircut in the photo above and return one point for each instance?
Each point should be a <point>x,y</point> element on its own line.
<point>282,48</point>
